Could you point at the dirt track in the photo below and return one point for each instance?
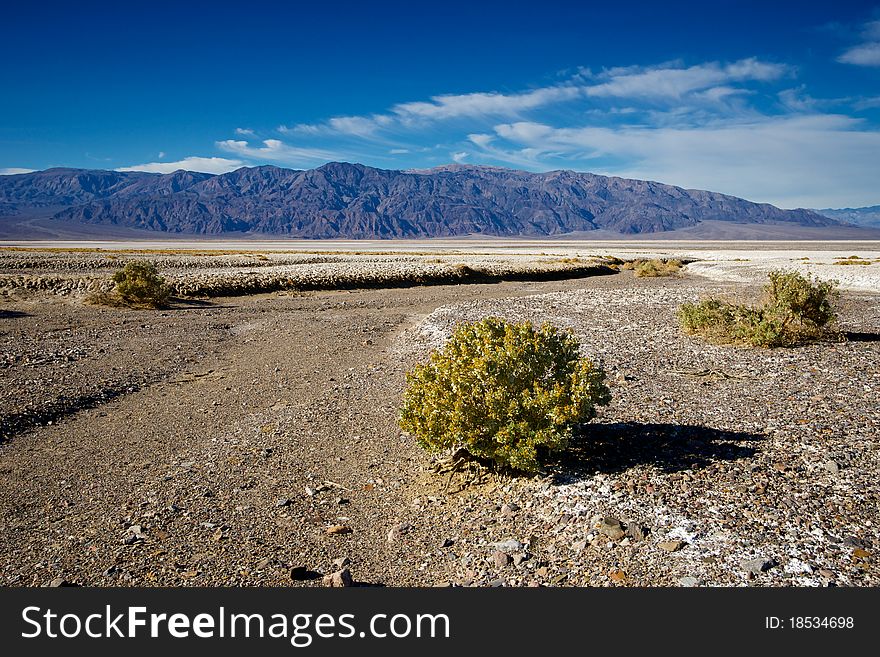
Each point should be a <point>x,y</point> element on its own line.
<point>217,442</point>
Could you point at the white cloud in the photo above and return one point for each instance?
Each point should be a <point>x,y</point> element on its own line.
<point>460,156</point>
<point>398,151</point>
<point>821,160</point>
<point>201,164</point>
<point>866,54</point>
<point>161,154</point>
<point>11,171</point>
<point>247,132</point>
<point>672,82</point>
<point>484,104</point>
<point>705,83</point>
<point>275,150</point>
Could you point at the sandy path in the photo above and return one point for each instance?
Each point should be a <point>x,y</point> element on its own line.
<point>261,398</point>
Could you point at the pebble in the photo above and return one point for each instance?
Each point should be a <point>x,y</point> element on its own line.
<point>757,566</point>
<point>636,531</point>
<point>612,528</point>
<point>832,467</point>
<point>338,529</point>
<point>339,579</point>
<point>508,545</point>
<point>671,546</point>
<point>501,559</point>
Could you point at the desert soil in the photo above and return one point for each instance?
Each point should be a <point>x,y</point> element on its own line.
<point>253,441</point>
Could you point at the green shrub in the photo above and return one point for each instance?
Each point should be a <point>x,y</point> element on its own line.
<point>504,392</point>
<point>138,284</point>
<point>796,309</point>
<point>655,267</point>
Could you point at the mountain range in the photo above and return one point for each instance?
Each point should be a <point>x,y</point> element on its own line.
<point>868,217</point>
<point>342,200</point>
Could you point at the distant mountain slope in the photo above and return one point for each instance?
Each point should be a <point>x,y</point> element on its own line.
<point>356,201</point>
<point>869,217</point>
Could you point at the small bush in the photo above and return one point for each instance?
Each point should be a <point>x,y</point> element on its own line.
<point>504,392</point>
<point>796,310</point>
<point>853,260</point>
<point>138,284</point>
<point>655,267</point>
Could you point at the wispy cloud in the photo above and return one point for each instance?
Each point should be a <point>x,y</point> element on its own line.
<point>766,160</point>
<point>201,164</point>
<point>245,132</point>
<point>274,150</point>
<point>11,171</point>
<point>710,82</point>
<point>674,82</point>
<point>866,53</point>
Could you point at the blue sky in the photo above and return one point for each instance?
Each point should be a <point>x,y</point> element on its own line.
<point>775,103</point>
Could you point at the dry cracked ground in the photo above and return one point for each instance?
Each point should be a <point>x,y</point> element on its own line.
<point>253,441</point>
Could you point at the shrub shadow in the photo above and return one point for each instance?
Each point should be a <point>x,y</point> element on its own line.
<point>14,424</point>
<point>853,336</point>
<point>13,314</point>
<point>613,448</point>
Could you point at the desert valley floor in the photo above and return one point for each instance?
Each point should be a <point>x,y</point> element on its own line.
<point>247,435</point>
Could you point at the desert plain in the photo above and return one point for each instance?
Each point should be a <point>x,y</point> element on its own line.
<point>247,435</point>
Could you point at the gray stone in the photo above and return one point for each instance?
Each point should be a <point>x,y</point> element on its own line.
<point>757,566</point>
<point>508,545</point>
<point>637,531</point>
<point>832,467</point>
<point>688,581</point>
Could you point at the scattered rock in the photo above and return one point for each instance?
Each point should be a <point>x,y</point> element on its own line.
<point>688,581</point>
<point>757,566</point>
<point>671,546</point>
<point>341,562</point>
<point>283,501</point>
<point>612,528</point>
<point>501,559</point>
<point>338,529</point>
<point>508,545</point>
<point>832,467</point>
<point>395,533</point>
<point>637,531</point>
<point>339,579</point>
<point>59,582</point>
<point>509,509</point>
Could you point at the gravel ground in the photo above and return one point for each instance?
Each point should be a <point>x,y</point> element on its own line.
<point>252,441</point>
